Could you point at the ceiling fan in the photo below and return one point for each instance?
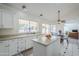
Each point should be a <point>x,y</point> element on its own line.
<point>59,20</point>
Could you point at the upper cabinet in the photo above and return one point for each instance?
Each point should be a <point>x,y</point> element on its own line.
<point>6,19</point>
<point>0,19</point>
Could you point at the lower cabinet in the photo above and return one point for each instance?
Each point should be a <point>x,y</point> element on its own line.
<point>53,49</point>
<point>15,46</point>
<point>4,48</point>
<point>21,44</point>
<point>4,51</point>
<point>29,42</point>
<point>26,43</point>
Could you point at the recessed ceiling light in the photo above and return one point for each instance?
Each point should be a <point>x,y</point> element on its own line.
<point>41,14</point>
<point>23,6</point>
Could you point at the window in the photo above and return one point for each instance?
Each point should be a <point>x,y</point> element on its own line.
<point>48,28</point>
<point>23,25</point>
<point>27,26</point>
<point>33,26</point>
<point>45,28</point>
<point>53,28</point>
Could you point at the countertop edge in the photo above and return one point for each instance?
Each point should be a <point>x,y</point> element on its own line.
<point>17,36</point>
<point>43,43</point>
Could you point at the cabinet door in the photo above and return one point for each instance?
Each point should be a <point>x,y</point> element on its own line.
<point>30,42</point>
<point>4,48</point>
<point>7,19</point>
<point>54,49</point>
<point>13,47</point>
<point>26,43</point>
<point>0,18</point>
<point>21,44</point>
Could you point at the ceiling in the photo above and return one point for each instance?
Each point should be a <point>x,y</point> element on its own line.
<point>68,11</point>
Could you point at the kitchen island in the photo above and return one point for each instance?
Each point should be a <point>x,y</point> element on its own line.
<point>46,47</point>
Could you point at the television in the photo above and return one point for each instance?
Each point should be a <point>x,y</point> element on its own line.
<point>74,30</point>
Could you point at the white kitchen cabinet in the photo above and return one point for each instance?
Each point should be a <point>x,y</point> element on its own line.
<point>43,48</point>
<point>21,44</point>
<point>26,43</point>
<point>6,19</point>
<point>4,48</point>
<point>54,49</point>
<point>39,49</point>
<point>29,41</point>
<point>0,19</point>
<point>13,47</point>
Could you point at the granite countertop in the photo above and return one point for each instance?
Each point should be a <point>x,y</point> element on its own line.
<point>44,41</point>
<point>16,35</point>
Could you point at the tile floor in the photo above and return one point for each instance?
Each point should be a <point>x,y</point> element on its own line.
<point>72,49</point>
<point>26,53</point>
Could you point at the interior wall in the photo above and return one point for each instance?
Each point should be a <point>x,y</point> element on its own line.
<point>60,27</point>
<point>71,26</point>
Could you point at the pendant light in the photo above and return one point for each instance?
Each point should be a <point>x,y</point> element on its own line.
<point>59,20</point>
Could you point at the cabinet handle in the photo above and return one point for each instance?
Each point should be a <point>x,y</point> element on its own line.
<point>7,46</point>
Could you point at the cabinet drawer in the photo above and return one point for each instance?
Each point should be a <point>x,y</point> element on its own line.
<point>4,48</point>
<point>4,43</point>
<point>4,51</point>
<point>13,40</point>
<point>4,54</point>
<point>12,47</point>
<point>21,40</point>
<point>0,18</point>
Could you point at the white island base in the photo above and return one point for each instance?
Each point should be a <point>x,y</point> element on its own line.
<point>46,47</point>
